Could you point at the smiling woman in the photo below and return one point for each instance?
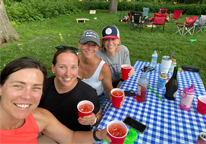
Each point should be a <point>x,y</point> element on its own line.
<point>64,91</point>
<point>93,70</point>
<point>114,54</point>
<point>20,120</point>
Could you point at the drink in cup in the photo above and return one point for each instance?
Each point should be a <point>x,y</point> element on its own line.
<point>125,71</point>
<point>165,64</point>
<point>141,96</point>
<point>117,97</point>
<point>85,108</point>
<point>201,104</point>
<point>117,131</point>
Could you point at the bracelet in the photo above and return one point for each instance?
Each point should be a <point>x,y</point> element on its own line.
<point>94,135</point>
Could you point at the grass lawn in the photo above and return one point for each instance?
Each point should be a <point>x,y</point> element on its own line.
<point>38,39</point>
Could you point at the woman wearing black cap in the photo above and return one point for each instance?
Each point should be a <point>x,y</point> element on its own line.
<point>113,53</point>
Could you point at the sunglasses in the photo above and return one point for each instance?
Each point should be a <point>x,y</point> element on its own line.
<point>60,48</point>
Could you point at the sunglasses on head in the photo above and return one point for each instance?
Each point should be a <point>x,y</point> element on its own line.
<point>59,48</point>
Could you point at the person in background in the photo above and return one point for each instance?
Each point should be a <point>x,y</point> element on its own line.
<point>114,54</point>
<point>64,91</point>
<point>21,86</point>
<point>93,70</point>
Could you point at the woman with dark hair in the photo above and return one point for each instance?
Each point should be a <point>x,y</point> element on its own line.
<point>65,90</point>
<point>20,119</point>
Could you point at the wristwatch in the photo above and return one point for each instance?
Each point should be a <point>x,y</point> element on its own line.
<point>94,135</point>
<point>95,120</point>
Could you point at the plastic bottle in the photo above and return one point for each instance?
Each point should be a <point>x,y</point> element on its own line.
<point>173,64</point>
<point>142,86</point>
<point>172,86</point>
<point>187,97</point>
<point>154,59</point>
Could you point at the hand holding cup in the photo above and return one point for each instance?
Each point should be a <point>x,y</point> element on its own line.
<point>132,72</point>
<point>87,120</point>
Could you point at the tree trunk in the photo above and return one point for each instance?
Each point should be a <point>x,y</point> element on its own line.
<point>7,32</point>
<point>113,6</point>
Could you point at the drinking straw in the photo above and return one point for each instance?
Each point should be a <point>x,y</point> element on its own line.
<point>155,93</point>
<point>171,55</point>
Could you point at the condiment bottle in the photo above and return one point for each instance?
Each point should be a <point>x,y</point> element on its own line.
<point>187,97</point>
<point>142,86</point>
<point>172,86</point>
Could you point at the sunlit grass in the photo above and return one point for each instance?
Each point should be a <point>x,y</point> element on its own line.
<point>38,39</point>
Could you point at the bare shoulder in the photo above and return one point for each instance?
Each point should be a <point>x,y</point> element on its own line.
<point>42,117</point>
<point>105,71</point>
<point>105,67</point>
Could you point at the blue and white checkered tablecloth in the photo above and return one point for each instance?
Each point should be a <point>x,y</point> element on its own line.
<point>166,122</point>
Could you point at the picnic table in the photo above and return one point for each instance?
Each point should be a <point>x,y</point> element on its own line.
<point>166,122</point>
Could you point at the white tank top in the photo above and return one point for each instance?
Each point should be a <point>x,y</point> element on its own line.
<point>94,82</point>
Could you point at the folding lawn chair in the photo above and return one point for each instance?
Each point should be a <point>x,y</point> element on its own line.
<point>201,25</point>
<point>136,21</point>
<point>163,11</point>
<point>146,12</point>
<point>159,21</point>
<point>188,26</point>
<point>177,14</point>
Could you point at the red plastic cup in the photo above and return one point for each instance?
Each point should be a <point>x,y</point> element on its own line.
<point>125,71</point>
<point>201,104</point>
<point>117,131</point>
<point>117,97</point>
<point>85,108</point>
<point>201,138</point>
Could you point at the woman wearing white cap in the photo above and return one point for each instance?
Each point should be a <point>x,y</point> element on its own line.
<point>113,53</point>
<point>93,70</point>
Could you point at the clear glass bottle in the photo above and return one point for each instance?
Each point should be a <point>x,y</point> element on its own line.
<point>154,59</point>
<point>142,86</point>
<point>173,64</point>
<point>172,86</point>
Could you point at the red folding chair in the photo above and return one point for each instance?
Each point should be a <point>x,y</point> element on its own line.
<point>188,26</point>
<point>159,21</point>
<point>177,14</point>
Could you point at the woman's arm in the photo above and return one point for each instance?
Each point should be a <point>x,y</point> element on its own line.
<point>106,78</point>
<point>52,128</point>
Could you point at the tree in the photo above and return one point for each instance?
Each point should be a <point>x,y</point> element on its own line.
<point>7,32</point>
<point>113,6</point>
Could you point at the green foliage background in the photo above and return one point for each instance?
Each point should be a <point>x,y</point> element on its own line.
<point>32,10</point>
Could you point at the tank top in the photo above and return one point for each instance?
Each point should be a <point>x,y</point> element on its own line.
<point>93,80</point>
<point>28,133</point>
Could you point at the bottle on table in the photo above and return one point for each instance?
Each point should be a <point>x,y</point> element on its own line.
<point>173,64</point>
<point>154,59</point>
<point>142,86</point>
<point>172,86</point>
